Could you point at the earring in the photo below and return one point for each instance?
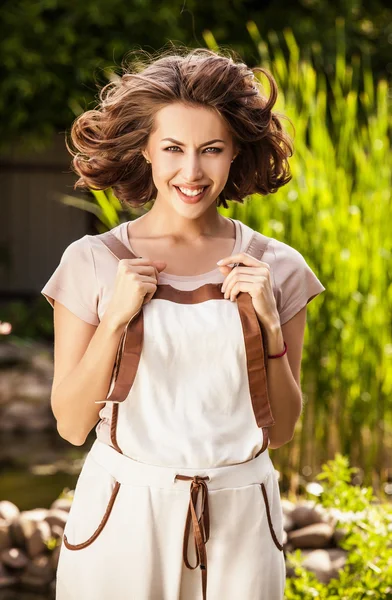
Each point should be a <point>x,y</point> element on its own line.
<point>148,162</point>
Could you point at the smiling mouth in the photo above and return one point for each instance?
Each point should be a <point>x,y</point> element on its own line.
<point>191,198</point>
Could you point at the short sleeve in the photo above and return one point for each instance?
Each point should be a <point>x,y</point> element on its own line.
<point>74,282</point>
<point>295,282</point>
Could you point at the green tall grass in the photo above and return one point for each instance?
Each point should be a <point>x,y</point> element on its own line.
<point>337,212</point>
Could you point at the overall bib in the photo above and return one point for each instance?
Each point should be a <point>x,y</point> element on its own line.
<point>191,364</point>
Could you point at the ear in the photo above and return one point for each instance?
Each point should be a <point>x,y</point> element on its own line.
<point>145,155</point>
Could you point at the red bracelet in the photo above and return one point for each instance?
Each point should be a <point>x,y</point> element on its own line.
<point>279,355</point>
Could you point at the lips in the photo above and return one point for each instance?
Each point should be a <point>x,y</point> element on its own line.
<point>191,199</point>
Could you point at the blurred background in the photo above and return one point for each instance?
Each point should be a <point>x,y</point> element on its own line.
<point>333,64</point>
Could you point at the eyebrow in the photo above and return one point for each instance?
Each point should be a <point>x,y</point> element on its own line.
<point>201,146</point>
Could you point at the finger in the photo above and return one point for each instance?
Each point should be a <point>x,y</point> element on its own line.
<point>157,265</point>
<point>239,271</point>
<point>140,260</point>
<point>148,279</point>
<point>141,269</point>
<point>244,258</point>
<point>151,289</point>
<point>245,279</point>
<point>240,286</point>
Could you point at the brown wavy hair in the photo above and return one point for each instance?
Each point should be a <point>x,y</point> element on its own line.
<point>108,139</point>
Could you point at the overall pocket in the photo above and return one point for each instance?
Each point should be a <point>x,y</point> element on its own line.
<point>271,495</point>
<point>94,497</point>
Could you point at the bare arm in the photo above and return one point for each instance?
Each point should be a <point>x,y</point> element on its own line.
<point>284,379</point>
<point>84,354</point>
<point>84,357</point>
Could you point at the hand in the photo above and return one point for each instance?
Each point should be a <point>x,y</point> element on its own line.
<point>254,278</point>
<point>135,284</point>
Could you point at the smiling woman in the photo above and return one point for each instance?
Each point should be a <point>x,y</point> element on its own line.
<point>180,359</point>
<point>108,141</point>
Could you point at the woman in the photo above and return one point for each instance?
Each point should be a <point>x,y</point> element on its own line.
<point>170,351</point>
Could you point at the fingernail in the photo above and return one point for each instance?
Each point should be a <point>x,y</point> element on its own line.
<point>219,262</point>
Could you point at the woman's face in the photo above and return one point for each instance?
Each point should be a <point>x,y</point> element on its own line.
<point>197,152</point>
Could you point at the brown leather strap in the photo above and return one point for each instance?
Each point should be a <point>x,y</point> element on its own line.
<point>131,341</point>
<point>256,357</point>
<point>128,359</point>
<point>257,245</point>
<point>256,348</point>
<point>201,526</point>
<point>116,247</point>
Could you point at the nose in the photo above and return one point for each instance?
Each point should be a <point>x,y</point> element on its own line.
<point>191,168</point>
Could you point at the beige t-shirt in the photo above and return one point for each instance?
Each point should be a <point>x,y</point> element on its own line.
<point>84,279</point>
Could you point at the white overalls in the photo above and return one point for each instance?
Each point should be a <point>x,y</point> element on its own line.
<point>191,364</point>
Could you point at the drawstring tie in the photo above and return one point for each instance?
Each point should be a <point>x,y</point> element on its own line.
<point>201,526</point>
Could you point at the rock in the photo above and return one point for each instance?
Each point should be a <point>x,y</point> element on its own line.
<point>11,355</point>
<point>287,506</point>
<point>288,522</point>
<point>16,533</point>
<point>56,516</point>
<point>30,582</point>
<point>5,535</point>
<point>57,532</point>
<point>37,543</point>
<point>307,513</point>
<point>328,516</point>
<point>8,510</point>
<point>338,558</point>
<point>338,535</point>
<point>36,514</point>
<point>317,535</point>
<point>6,579</point>
<point>41,567</point>
<point>30,386</point>
<point>62,503</point>
<point>14,558</point>
<point>319,563</point>
<point>288,547</point>
<point>25,386</point>
<point>42,362</point>
<point>325,564</point>
<point>6,386</point>
<point>36,534</point>
<point>52,588</point>
<point>54,557</point>
<point>290,571</point>
<point>20,416</point>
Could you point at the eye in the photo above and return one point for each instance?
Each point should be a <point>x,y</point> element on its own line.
<point>214,148</point>
<point>217,150</point>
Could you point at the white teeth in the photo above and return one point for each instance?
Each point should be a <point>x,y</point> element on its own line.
<point>191,193</point>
